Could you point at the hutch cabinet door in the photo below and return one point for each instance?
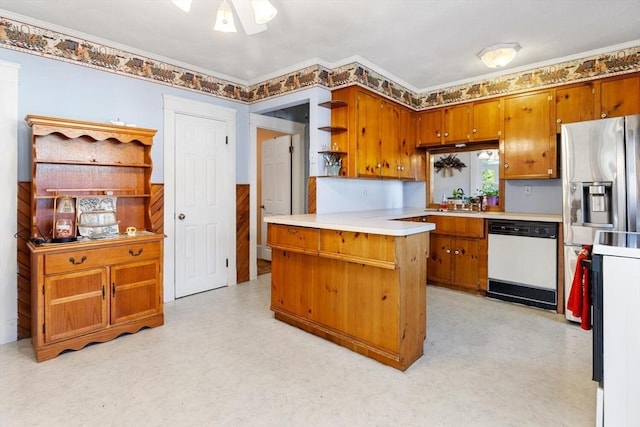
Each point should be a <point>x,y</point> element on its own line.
<point>135,291</point>
<point>74,304</point>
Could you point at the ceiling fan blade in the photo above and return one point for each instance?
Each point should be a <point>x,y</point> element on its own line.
<point>246,16</point>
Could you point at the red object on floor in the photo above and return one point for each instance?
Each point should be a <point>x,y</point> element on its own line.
<point>580,296</point>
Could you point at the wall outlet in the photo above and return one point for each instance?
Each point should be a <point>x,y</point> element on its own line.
<point>527,190</point>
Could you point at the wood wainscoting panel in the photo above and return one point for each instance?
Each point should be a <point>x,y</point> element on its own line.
<point>311,195</point>
<point>242,232</point>
<point>24,260</point>
<point>156,206</point>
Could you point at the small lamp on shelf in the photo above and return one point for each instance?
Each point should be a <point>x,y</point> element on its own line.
<point>64,220</point>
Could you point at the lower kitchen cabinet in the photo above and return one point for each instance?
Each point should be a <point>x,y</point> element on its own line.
<point>458,253</point>
<point>93,292</point>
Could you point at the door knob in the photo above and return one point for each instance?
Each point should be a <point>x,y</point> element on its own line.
<point>181,216</point>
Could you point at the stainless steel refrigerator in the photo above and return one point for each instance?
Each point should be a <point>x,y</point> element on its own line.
<point>600,183</point>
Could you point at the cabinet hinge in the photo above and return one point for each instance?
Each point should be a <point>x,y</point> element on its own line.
<point>549,98</point>
<point>291,149</point>
<point>227,262</point>
<point>226,140</point>
<point>43,329</point>
<point>42,289</point>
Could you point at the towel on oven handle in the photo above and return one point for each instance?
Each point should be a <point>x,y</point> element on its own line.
<point>580,296</point>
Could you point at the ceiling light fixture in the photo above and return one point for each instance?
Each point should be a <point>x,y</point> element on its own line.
<point>224,19</point>
<point>184,5</point>
<point>263,11</point>
<point>499,55</point>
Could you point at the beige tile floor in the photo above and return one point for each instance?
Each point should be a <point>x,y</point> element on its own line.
<point>222,360</point>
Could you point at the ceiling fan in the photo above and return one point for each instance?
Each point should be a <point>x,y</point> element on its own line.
<point>253,14</point>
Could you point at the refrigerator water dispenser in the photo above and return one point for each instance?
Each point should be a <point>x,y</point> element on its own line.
<point>596,197</point>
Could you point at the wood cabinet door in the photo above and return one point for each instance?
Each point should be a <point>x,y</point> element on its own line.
<point>574,104</point>
<point>439,261</point>
<point>389,139</point>
<point>368,145</point>
<point>529,136</point>
<point>485,122</point>
<point>134,290</point>
<point>465,270</point>
<point>456,124</point>
<point>430,128</point>
<point>372,305</point>
<point>620,97</point>
<point>411,161</point>
<point>74,304</point>
<point>291,282</point>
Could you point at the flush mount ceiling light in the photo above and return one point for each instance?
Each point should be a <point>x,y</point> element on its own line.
<point>499,55</point>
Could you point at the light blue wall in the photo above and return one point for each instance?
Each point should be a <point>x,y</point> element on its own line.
<point>545,196</point>
<point>54,88</point>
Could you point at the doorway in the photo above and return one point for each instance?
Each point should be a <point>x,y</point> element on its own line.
<point>213,129</point>
<point>286,182</point>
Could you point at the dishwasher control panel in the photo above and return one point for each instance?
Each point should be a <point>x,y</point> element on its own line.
<point>546,230</point>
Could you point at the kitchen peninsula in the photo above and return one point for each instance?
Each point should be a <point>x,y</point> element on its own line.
<point>356,279</point>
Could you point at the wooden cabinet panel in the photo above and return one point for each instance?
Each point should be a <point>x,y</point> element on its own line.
<point>456,124</point>
<point>466,263</point>
<point>371,249</point>
<point>529,136</point>
<point>430,128</point>
<point>458,226</point>
<point>135,291</point>
<point>486,120</point>
<point>368,143</point>
<point>439,262</point>
<point>390,143</point>
<point>291,282</point>
<point>301,239</point>
<point>372,312</point>
<point>620,96</point>
<point>411,161</point>
<point>74,304</point>
<point>80,259</point>
<point>574,103</point>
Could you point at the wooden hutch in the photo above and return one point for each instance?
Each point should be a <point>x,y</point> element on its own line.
<point>92,289</point>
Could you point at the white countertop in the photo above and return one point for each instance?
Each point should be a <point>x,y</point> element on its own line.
<point>382,221</point>
<point>617,243</point>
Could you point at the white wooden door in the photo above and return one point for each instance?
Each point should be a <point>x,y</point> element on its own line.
<point>276,183</point>
<point>200,231</point>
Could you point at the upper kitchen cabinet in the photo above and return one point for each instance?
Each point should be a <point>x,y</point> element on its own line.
<point>457,124</point>
<point>619,96</point>
<point>486,124</point>
<point>470,122</point>
<point>530,136</point>
<point>575,103</point>
<point>380,136</point>
<point>429,128</point>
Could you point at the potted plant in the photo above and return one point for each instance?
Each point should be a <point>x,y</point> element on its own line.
<point>490,193</point>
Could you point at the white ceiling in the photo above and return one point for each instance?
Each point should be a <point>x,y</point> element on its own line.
<point>422,44</point>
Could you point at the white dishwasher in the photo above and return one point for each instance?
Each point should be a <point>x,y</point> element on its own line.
<point>523,262</point>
